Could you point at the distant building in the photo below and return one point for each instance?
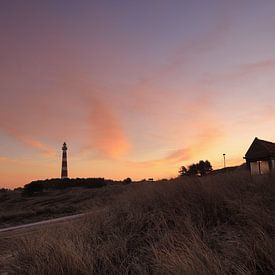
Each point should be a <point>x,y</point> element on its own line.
<point>64,168</point>
<point>260,157</point>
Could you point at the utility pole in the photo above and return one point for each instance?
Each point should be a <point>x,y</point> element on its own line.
<point>224,166</point>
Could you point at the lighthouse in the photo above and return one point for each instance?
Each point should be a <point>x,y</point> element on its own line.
<point>64,169</point>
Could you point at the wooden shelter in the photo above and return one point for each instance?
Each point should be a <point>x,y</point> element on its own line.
<point>260,157</point>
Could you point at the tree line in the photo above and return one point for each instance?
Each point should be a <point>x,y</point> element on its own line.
<point>39,186</point>
<point>196,169</point>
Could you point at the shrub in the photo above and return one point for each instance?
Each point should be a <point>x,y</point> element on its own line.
<point>127,181</point>
<point>33,187</point>
<point>40,185</point>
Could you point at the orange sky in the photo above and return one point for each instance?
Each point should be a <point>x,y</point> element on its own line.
<point>135,89</point>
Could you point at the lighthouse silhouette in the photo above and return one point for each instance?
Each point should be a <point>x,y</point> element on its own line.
<point>64,169</point>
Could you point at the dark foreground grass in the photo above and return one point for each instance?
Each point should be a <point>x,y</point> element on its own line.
<point>222,224</point>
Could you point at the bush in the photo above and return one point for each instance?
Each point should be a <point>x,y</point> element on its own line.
<point>33,187</point>
<point>40,185</point>
<point>127,181</point>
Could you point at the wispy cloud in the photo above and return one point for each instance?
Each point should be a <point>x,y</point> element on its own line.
<point>107,136</point>
<point>6,159</point>
<point>243,71</point>
<point>205,139</point>
<point>261,66</point>
<point>145,93</point>
<point>30,141</point>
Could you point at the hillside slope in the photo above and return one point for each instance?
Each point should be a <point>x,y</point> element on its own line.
<point>219,224</point>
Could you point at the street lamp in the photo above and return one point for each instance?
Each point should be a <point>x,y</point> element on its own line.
<point>224,161</point>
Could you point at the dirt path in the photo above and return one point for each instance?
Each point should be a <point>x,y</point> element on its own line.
<point>37,224</point>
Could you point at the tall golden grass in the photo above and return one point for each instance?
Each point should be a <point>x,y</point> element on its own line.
<point>219,224</point>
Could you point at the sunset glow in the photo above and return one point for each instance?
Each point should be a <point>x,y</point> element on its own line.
<point>135,88</point>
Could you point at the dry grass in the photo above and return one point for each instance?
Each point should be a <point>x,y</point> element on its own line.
<point>222,224</point>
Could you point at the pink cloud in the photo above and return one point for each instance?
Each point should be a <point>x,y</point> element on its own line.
<point>106,132</point>
<point>204,140</point>
<point>240,72</point>
<point>6,159</point>
<point>256,67</point>
<point>29,141</point>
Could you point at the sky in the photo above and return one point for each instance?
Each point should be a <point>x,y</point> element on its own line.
<point>136,88</point>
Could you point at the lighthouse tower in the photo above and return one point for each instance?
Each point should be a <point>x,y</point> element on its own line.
<point>64,170</point>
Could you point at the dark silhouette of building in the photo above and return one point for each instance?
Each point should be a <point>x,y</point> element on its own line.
<point>260,157</point>
<point>64,169</point>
